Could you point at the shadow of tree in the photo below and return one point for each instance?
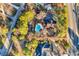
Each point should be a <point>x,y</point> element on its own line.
<point>74,38</point>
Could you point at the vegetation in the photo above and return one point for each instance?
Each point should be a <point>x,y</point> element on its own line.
<point>62,27</point>
<point>62,23</point>
<point>17,45</point>
<point>1,44</point>
<point>22,23</point>
<point>3,32</point>
<point>30,47</point>
<point>63,43</point>
<point>20,31</point>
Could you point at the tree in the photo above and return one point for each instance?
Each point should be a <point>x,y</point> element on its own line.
<point>22,23</point>
<point>30,47</point>
<point>62,25</point>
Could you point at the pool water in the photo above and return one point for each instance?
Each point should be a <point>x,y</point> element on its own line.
<point>38,27</point>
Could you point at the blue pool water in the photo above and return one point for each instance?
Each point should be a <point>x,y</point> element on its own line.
<point>38,27</point>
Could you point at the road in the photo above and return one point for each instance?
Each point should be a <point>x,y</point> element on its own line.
<point>7,44</point>
<point>72,18</point>
<point>73,32</point>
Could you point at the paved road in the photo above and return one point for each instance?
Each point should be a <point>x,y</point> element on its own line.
<point>72,18</point>
<point>73,32</point>
<point>7,44</point>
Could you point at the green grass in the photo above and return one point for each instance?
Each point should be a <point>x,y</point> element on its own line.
<point>1,44</point>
